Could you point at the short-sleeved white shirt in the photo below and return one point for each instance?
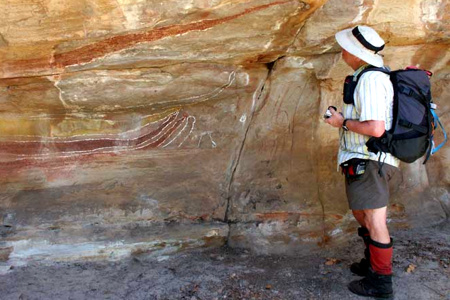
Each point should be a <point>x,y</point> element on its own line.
<point>374,99</point>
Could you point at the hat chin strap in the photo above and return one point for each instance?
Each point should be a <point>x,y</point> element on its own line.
<point>357,34</point>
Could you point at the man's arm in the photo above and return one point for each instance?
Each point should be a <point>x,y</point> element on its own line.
<point>371,127</point>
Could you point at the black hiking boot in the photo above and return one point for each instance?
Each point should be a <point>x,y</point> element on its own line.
<point>373,285</point>
<point>361,268</point>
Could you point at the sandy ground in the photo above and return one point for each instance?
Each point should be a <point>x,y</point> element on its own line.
<point>421,266</point>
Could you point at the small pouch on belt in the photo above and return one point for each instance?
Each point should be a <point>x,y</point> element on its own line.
<point>354,168</point>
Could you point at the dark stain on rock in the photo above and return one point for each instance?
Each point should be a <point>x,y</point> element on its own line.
<point>142,251</point>
<point>324,241</point>
<point>3,41</point>
<point>214,241</point>
<point>429,55</point>
<point>6,230</point>
<point>5,252</point>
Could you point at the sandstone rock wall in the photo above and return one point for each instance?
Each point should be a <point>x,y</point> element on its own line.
<point>141,126</point>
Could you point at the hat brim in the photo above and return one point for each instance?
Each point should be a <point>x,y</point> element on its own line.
<point>348,42</point>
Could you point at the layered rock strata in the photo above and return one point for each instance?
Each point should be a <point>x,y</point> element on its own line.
<point>132,127</point>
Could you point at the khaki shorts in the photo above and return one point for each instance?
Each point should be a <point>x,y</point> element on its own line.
<point>370,190</point>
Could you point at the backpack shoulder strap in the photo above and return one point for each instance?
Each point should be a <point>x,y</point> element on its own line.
<point>352,81</point>
<point>384,70</point>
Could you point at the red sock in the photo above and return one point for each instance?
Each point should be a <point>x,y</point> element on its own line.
<point>381,257</point>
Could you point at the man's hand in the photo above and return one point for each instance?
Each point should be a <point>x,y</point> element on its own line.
<point>336,119</point>
<point>372,127</point>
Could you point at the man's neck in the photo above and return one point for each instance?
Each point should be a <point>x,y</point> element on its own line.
<point>359,65</point>
<point>360,69</point>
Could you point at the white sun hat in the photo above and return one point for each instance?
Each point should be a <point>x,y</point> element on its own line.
<point>363,42</point>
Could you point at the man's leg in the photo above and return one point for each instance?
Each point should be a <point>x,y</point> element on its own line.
<point>378,282</point>
<point>375,221</point>
<point>359,216</point>
<point>380,245</point>
<point>362,268</point>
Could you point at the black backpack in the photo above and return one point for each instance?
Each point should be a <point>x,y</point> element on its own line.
<point>414,118</point>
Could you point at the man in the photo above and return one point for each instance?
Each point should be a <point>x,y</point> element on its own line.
<point>368,114</point>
